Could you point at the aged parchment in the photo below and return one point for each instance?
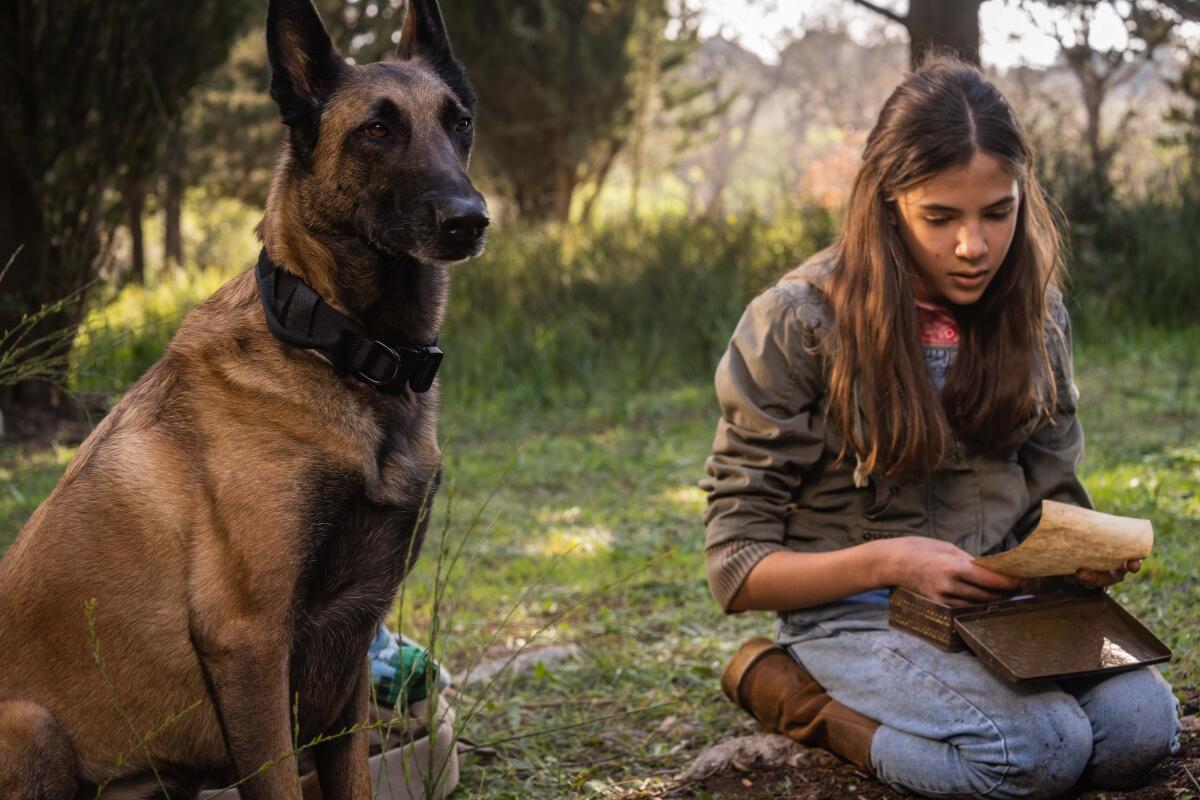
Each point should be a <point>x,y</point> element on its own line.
<point>1070,538</point>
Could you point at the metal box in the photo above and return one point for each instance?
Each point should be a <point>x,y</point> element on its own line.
<point>1060,632</point>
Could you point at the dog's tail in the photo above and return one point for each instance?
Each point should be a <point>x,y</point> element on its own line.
<point>36,758</point>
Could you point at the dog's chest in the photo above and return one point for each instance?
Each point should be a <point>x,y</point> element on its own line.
<point>362,531</point>
<point>361,536</point>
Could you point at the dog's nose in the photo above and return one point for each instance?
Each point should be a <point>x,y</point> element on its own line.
<point>463,219</point>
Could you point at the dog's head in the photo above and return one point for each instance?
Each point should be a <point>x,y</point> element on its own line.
<point>378,151</point>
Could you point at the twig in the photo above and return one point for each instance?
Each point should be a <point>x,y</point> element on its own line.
<point>887,12</point>
<point>1191,777</point>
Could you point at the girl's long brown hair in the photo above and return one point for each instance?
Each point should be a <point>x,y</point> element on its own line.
<point>880,393</point>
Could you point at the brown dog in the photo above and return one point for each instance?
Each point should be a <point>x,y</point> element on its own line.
<point>244,515</point>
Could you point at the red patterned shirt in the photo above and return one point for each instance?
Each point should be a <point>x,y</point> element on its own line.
<point>939,339</point>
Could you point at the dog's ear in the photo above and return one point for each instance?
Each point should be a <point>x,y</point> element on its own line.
<point>305,66</point>
<point>424,35</point>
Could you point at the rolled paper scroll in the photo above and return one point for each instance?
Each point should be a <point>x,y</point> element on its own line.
<point>1071,538</point>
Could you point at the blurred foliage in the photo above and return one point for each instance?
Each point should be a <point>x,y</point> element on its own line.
<point>936,26</point>
<point>555,315</point>
<point>548,314</point>
<point>89,91</point>
<point>1100,70</point>
<point>605,73</point>
<point>128,327</point>
<point>1184,119</point>
<point>1133,263</point>
<point>561,315</point>
<point>565,87</point>
<point>232,131</point>
<point>30,351</point>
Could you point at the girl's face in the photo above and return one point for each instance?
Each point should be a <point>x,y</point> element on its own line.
<point>957,228</point>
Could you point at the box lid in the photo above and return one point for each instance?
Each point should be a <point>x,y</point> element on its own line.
<point>1059,637</point>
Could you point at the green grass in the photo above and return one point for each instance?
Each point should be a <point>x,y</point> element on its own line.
<point>578,413</point>
<point>592,536</point>
<point>623,491</point>
<point>26,478</point>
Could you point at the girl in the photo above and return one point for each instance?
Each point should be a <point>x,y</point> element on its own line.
<point>899,404</point>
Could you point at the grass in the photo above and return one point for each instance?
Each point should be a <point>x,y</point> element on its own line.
<point>578,414</point>
<point>593,538</point>
<point>26,478</point>
<point>622,493</point>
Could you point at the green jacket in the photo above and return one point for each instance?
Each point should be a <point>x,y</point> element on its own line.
<point>773,483</point>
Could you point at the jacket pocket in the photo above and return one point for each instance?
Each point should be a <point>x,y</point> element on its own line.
<point>955,505</point>
<point>895,506</point>
<point>1004,496</point>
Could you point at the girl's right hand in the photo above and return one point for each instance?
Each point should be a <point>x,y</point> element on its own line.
<point>944,573</point>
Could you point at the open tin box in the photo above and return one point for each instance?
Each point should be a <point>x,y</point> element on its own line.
<point>1061,631</point>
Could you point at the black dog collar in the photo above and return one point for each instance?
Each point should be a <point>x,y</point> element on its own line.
<point>299,316</point>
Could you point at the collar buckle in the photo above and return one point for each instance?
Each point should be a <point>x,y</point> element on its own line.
<point>372,358</point>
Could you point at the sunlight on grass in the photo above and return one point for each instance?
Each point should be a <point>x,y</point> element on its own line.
<point>560,533</point>
<point>118,339</point>
<point>594,538</point>
<point>26,478</point>
<point>684,499</point>
<point>574,540</point>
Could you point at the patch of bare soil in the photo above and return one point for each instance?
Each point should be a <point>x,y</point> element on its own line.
<point>752,770</point>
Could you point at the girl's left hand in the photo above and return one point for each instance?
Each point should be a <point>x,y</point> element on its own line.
<point>1099,580</point>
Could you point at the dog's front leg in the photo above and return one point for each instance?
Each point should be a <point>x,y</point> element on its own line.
<point>246,670</point>
<point>342,761</point>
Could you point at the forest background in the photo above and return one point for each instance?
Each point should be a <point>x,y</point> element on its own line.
<point>647,173</point>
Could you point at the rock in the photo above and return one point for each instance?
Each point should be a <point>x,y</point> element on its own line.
<point>522,662</point>
<point>748,753</point>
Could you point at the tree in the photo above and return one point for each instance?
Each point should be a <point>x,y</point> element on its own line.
<point>1150,27</point>
<point>738,85</point>
<point>556,88</point>
<point>1184,118</point>
<point>88,89</point>
<point>232,131</point>
<point>565,88</point>
<point>937,25</point>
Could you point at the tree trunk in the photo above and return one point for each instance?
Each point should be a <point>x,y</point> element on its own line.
<point>943,26</point>
<point>34,280</point>
<point>24,286</point>
<point>173,205</point>
<point>135,202</point>
<point>549,198</point>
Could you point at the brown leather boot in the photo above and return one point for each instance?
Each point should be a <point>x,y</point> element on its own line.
<point>764,680</point>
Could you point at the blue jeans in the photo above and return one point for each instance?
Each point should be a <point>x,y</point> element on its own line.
<point>950,728</point>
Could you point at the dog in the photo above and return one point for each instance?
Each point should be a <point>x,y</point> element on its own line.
<point>200,590</point>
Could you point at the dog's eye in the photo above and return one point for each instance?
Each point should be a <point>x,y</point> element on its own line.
<point>463,125</point>
<point>376,130</point>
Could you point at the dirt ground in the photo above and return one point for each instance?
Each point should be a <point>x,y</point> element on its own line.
<point>816,775</point>
<point>823,777</point>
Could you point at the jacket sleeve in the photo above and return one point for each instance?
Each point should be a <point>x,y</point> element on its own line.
<point>769,387</point>
<point>1053,451</point>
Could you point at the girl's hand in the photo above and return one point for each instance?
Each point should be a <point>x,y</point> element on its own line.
<point>944,573</point>
<point>1099,580</point>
